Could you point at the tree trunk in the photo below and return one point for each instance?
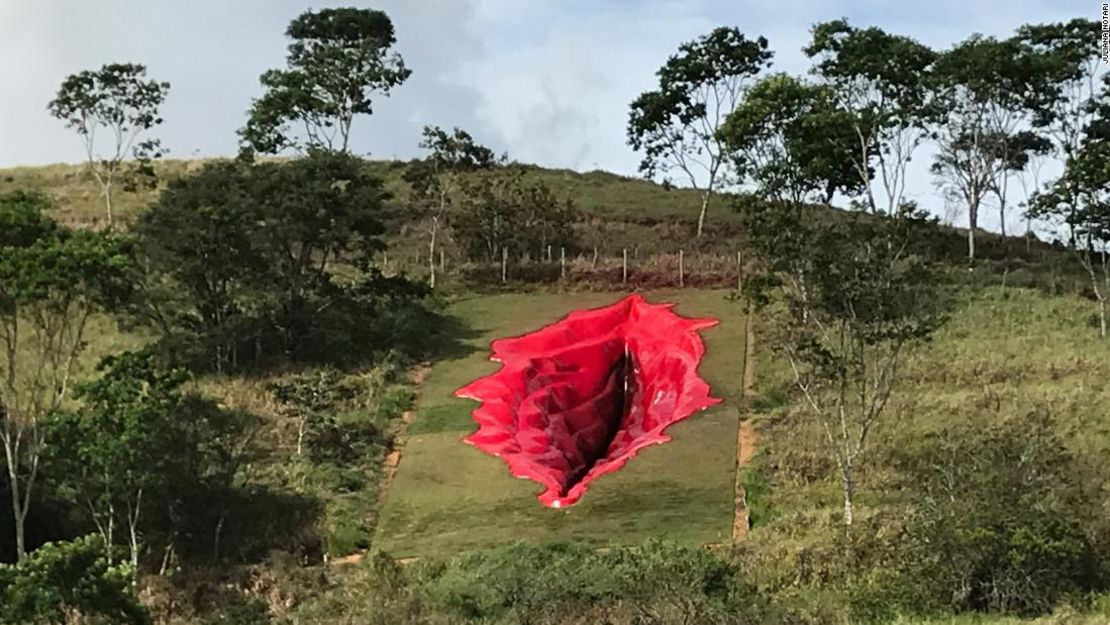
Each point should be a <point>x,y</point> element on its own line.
<point>704,208</point>
<point>133,535</point>
<point>432,252</point>
<point>108,202</point>
<point>17,505</point>
<point>849,491</point>
<point>1102,316</point>
<point>302,425</point>
<point>972,224</point>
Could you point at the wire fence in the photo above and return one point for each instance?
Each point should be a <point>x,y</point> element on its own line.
<point>626,268</point>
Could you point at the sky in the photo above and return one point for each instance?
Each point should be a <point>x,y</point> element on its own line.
<point>547,81</point>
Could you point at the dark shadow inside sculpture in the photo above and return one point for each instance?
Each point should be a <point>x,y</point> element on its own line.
<point>586,401</point>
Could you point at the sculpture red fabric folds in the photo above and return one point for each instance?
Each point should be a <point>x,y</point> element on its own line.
<point>577,399</point>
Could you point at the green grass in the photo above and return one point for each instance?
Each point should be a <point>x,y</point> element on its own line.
<point>1004,354</point>
<point>448,496</point>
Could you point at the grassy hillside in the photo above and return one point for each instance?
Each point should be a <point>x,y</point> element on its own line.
<point>1006,355</point>
<point>618,212</point>
<point>597,193</point>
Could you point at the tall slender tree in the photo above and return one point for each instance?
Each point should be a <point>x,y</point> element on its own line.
<point>51,282</point>
<point>676,124</point>
<point>119,100</point>
<point>1080,200</point>
<point>435,179</point>
<point>1075,66</point>
<point>988,91</point>
<point>858,295</point>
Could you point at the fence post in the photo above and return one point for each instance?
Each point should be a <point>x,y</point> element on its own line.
<point>624,265</point>
<point>504,263</point>
<point>442,261</point>
<point>549,258</point>
<point>739,270</point>
<point>562,263</point>
<point>594,264</point>
<point>681,272</point>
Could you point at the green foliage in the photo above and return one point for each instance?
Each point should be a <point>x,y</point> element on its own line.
<point>793,141</point>
<point>312,401</point>
<point>141,453</point>
<point>1006,518</point>
<point>856,296</point>
<point>61,582</point>
<point>1072,56</point>
<point>435,179</point>
<point>676,125</point>
<point>247,612</point>
<point>655,583</point>
<point>22,221</point>
<point>1080,200</point>
<point>244,263</point>
<point>881,84</point>
<point>501,210</point>
<point>51,281</point>
<point>987,92</point>
<point>119,99</point>
<point>695,84</point>
<point>447,153</point>
<point>337,59</point>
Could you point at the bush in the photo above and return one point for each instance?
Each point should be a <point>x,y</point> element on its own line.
<point>1007,519</point>
<point>654,583</point>
<point>59,582</point>
<point>243,264</point>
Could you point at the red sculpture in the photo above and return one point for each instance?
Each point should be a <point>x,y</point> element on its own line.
<point>577,399</point>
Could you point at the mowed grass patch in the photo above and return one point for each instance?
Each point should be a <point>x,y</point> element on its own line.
<point>448,496</point>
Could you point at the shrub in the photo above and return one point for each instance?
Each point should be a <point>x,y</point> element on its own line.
<point>1006,519</point>
<point>59,582</point>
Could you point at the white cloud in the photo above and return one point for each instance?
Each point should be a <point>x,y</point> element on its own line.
<point>547,80</point>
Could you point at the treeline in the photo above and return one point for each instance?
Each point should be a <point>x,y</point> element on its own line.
<point>993,109</point>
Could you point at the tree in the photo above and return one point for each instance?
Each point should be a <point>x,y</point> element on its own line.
<point>123,449</point>
<point>51,281</point>
<point>68,582</point>
<point>881,82</point>
<point>1074,59</point>
<point>119,99</point>
<point>310,400</point>
<point>501,211</point>
<point>856,297</point>
<point>988,90</point>
<point>338,59</point>
<point>1080,199</point>
<point>251,263</point>
<point>792,141</point>
<point>676,125</point>
<point>435,180</point>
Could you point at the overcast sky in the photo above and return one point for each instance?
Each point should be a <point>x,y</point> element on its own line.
<point>547,81</point>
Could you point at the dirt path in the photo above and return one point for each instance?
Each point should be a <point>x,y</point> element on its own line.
<point>389,467</point>
<point>746,435</point>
